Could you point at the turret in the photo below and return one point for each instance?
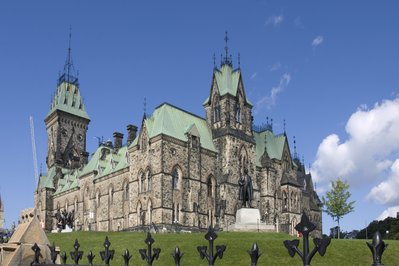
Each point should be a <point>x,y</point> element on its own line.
<point>67,121</point>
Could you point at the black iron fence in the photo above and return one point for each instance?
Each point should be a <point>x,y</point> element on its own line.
<point>210,252</point>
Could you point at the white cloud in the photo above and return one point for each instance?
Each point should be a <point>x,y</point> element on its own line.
<point>275,66</point>
<point>390,212</point>
<point>368,153</point>
<point>387,191</point>
<point>317,41</point>
<point>270,100</point>
<point>275,20</point>
<point>253,75</point>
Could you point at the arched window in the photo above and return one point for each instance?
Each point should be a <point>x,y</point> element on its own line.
<point>142,182</point>
<point>149,180</point>
<point>173,213</point>
<point>111,195</point>
<point>209,185</point>
<point>216,108</point>
<point>140,214</point>
<point>285,201</point>
<point>98,198</point>
<point>238,114</point>
<point>175,178</point>
<point>126,191</point>
<point>292,201</point>
<point>177,212</point>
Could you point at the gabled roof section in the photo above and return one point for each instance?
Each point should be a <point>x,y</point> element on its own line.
<point>227,81</point>
<point>69,100</point>
<point>103,162</point>
<point>274,145</point>
<point>287,180</point>
<point>175,122</point>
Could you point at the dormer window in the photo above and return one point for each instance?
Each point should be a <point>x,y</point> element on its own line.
<point>194,141</point>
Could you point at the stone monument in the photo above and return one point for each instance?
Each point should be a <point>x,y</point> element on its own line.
<point>248,218</point>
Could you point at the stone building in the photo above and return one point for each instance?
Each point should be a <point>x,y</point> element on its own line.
<point>175,169</point>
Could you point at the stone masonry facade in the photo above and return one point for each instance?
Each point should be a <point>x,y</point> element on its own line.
<point>186,178</point>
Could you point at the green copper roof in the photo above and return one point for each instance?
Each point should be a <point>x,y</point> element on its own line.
<point>105,161</point>
<point>172,121</point>
<point>68,99</point>
<point>227,81</point>
<point>275,145</point>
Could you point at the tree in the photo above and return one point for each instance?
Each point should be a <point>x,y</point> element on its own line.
<point>336,202</point>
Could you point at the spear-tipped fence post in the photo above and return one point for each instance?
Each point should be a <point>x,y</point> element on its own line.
<point>63,257</point>
<point>377,247</point>
<point>76,255</point>
<point>126,257</point>
<point>254,254</point>
<point>36,257</point>
<point>107,255</point>
<point>152,254</point>
<point>90,258</point>
<point>177,256</point>
<point>320,244</point>
<point>53,253</point>
<point>211,257</point>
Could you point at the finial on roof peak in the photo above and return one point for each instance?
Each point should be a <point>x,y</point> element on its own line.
<point>284,124</point>
<point>227,59</point>
<point>69,74</point>
<point>295,153</point>
<point>145,107</point>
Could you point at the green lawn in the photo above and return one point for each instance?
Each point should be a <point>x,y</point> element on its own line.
<point>340,252</point>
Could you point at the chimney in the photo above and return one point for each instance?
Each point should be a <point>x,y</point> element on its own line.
<point>131,133</point>
<point>118,137</point>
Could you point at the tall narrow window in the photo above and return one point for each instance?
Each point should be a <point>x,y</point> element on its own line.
<point>238,114</point>
<point>142,179</point>
<point>175,178</point>
<point>209,186</point>
<point>126,194</point>
<point>173,213</point>
<point>285,201</point>
<point>149,181</point>
<point>177,212</point>
<point>216,113</point>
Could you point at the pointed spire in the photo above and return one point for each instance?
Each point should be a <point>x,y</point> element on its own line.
<point>69,74</point>
<point>239,60</point>
<point>145,108</point>
<point>285,133</point>
<point>295,153</point>
<point>214,61</point>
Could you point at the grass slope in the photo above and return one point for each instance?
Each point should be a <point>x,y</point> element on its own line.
<point>340,252</point>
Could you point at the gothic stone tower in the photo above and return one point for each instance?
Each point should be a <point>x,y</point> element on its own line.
<point>229,115</point>
<point>67,124</point>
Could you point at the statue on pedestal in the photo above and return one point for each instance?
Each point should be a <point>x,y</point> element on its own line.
<point>246,190</point>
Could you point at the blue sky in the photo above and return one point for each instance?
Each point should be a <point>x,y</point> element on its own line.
<point>329,68</point>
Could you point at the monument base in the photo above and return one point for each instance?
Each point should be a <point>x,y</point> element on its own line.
<point>248,220</point>
<point>67,229</point>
